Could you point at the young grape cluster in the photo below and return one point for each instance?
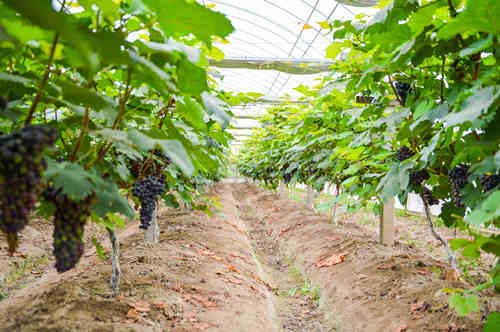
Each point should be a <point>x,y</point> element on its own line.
<point>458,179</point>
<point>489,182</point>
<point>70,217</point>
<point>404,153</point>
<point>148,190</point>
<point>417,177</point>
<point>402,89</point>
<point>428,197</point>
<point>21,167</point>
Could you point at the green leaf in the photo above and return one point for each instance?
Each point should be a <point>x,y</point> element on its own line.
<point>493,323</point>
<point>109,199</point>
<point>98,248</point>
<point>477,46</point>
<point>108,7</point>
<point>72,178</point>
<point>171,201</point>
<point>179,17</point>
<point>193,112</point>
<point>192,53</point>
<point>192,79</point>
<point>487,211</point>
<point>176,152</point>
<point>84,96</point>
<point>217,108</point>
<point>473,106</point>
<point>464,305</point>
<point>478,16</point>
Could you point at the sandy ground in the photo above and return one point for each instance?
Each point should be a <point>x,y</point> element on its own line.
<point>260,263</point>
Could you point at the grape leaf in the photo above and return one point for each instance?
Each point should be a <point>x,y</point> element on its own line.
<point>464,305</point>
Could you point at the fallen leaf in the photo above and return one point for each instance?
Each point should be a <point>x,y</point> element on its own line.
<point>401,328</point>
<point>334,238</point>
<point>451,275</point>
<point>332,260</point>
<point>416,316</point>
<point>19,254</point>
<point>201,326</point>
<point>417,306</point>
<point>140,306</point>
<point>133,315</point>
<point>306,27</point>
<point>289,228</point>
<point>205,302</point>
<point>422,271</point>
<point>233,269</point>
<point>384,267</point>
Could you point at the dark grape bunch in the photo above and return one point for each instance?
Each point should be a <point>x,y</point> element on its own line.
<point>402,89</point>
<point>148,190</point>
<point>70,217</point>
<point>428,197</point>
<point>149,166</point>
<point>3,103</point>
<point>417,177</point>
<point>21,167</point>
<point>458,179</point>
<point>489,182</point>
<point>404,153</point>
<point>287,177</point>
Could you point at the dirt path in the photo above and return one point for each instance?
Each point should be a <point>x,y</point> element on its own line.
<point>248,267</point>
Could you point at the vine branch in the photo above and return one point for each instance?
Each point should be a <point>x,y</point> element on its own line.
<point>45,79</point>
<point>395,92</point>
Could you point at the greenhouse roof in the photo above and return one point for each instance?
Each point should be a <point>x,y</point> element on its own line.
<point>285,30</point>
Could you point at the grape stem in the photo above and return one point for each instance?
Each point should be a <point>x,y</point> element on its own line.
<point>451,256</point>
<point>45,79</point>
<point>395,92</point>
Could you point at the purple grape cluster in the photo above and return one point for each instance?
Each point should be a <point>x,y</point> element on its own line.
<point>147,191</point>
<point>404,153</point>
<point>428,197</point>
<point>489,182</point>
<point>402,89</point>
<point>21,168</point>
<point>458,178</point>
<point>70,217</point>
<point>3,103</point>
<point>417,177</point>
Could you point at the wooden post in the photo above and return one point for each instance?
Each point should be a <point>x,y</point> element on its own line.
<point>152,234</point>
<point>310,196</point>
<point>387,223</point>
<point>281,190</point>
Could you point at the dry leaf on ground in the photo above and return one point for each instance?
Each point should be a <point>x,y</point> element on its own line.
<point>201,326</point>
<point>401,329</point>
<point>233,269</point>
<point>332,260</point>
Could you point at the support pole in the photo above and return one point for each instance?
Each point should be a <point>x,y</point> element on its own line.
<point>387,223</point>
<point>114,281</point>
<point>311,195</point>
<point>152,234</point>
<point>281,190</point>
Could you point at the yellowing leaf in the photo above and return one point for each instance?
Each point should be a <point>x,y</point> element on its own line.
<point>324,24</point>
<point>307,27</point>
<point>210,5</point>
<point>216,54</point>
<point>144,36</point>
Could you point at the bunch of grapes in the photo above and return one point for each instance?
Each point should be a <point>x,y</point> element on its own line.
<point>3,103</point>
<point>428,197</point>
<point>287,177</point>
<point>402,89</point>
<point>458,179</point>
<point>21,167</point>
<point>489,182</point>
<point>404,153</point>
<point>70,217</point>
<point>148,190</point>
<point>149,166</point>
<point>417,177</point>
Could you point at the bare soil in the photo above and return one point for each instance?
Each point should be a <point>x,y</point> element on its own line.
<point>251,266</point>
